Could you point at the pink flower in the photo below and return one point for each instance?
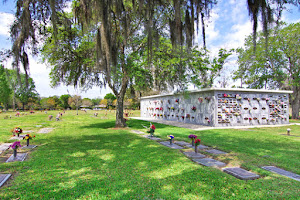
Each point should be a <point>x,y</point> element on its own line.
<point>15,145</point>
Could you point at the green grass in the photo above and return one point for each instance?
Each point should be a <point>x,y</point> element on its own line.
<point>86,158</point>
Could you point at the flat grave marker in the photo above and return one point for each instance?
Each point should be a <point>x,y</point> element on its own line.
<point>209,162</point>
<point>240,173</point>
<point>29,146</point>
<point>194,155</point>
<point>138,132</point>
<point>4,178</point>
<point>182,143</point>
<point>215,151</point>
<point>151,138</point>
<point>4,147</point>
<point>173,146</point>
<point>20,157</point>
<point>45,130</point>
<point>30,131</point>
<point>282,172</point>
<point>17,138</point>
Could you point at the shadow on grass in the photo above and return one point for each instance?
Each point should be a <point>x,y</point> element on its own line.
<point>124,166</point>
<point>93,162</point>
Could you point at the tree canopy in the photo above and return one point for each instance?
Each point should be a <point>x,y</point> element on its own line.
<point>106,41</point>
<point>278,66</point>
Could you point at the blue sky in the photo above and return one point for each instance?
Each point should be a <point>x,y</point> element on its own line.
<point>227,27</point>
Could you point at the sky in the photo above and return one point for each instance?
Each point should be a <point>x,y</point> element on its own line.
<point>227,27</point>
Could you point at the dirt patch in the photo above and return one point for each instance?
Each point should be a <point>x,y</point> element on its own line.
<point>118,128</point>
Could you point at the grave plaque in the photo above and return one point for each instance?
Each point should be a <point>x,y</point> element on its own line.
<point>209,162</point>
<point>215,151</point>
<point>282,172</point>
<point>4,147</point>
<point>173,146</point>
<point>20,157</point>
<point>151,137</point>
<point>29,147</point>
<point>240,173</point>
<point>4,178</point>
<point>138,132</point>
<point>194,155</point>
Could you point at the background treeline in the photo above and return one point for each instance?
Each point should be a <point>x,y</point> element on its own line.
<point>18,94</point>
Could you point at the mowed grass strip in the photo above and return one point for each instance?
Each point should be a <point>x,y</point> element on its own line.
<point>87,158</point>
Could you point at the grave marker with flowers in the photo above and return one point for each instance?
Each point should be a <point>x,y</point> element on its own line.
<point>27,138</point>
<point>197,143</point>
<point>171,137</point>
<point>17,131</point>
<point>151,130</point>
<point>15,146</point>
<point>193,137</point>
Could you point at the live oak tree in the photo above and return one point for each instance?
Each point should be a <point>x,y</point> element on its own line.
<point>278,66</point>
<point>121,30</point>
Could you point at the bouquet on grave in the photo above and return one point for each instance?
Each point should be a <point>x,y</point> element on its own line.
<point>171,137</point>
<point>193,137</point>
<point>28,137</point>
<point>151,129</point>
<point>15,145</point>
<point>17,131</point>
<point>197,142</point>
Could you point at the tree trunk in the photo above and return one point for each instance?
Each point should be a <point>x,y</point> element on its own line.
<point>120,121</point>
<point>295,102</point>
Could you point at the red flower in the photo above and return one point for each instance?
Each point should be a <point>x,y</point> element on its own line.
<point>197,142</point>
<point>152,127</point>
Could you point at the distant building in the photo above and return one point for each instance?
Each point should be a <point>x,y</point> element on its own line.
<point>220,107</point>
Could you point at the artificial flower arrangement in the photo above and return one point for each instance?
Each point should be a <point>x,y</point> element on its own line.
<point>161,108</point>
<point>17,131</point>
<point>200,99</point>
<point>182,117</point>
<point>28,137</point>
<point>171,137</point>
<point>154,114</point>
<point>151,129</point>
<point>193,137</point>
<point>177,100</point>
<point>208,98</point>
<point>188,116</point>
<point>208,121</point>
<point>197,143</point>
<point>225,95</point>
<point>161,115</point>
<point>194,108</point>
<point>157,108</point>
<point>238,97</point>
<point>15,146</point>
<point>172,108</point>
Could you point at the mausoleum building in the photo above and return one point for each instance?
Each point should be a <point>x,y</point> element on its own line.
<point>220,107</point>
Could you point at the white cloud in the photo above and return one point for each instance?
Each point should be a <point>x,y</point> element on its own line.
<point>6,19</point>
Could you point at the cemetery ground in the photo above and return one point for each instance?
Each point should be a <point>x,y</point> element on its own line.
<point>85,157</point>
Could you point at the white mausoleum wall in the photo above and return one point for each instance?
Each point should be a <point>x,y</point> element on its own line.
<point>220,107</point>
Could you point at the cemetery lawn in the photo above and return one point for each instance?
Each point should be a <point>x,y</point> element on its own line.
<point>85,157</point>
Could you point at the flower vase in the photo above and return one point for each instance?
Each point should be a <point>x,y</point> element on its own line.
<point>196,149</point>
<point>15,152</point>
<point>193,142</point>
<point>27,142</point>
<point>171,142</point>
